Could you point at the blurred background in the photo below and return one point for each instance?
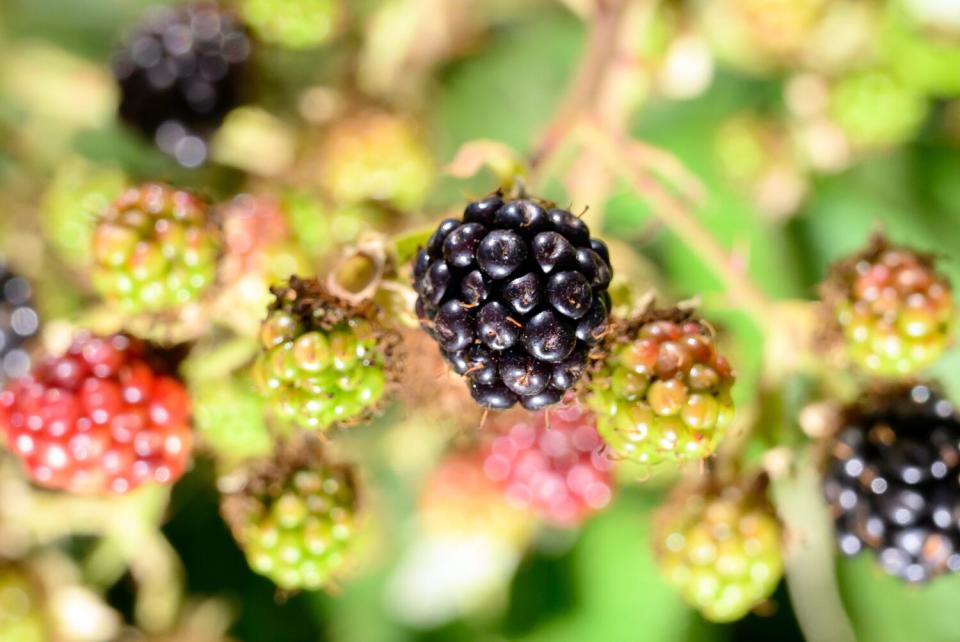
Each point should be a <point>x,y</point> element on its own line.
<point>792,129</point>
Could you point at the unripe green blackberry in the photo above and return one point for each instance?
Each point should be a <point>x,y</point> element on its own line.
<point>71,204</point>
<point>295,24</point>
<point>377,157</point>
<point>894,310</point>
<point>876,109</point>
<point>229,418</point>
<point>155,249</point>
<point>720,548</point>
<point>663,393</point>
<point>296,517</point>
<point>21,614</point>
<point>324,361</point>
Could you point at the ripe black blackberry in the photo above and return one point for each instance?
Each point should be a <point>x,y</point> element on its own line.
<point>18,323</point>
<point>179,74</point>
<point>892,482</point>
<point>515,294</point>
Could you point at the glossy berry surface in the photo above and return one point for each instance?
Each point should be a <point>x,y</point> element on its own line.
<point>664,393</point>
<point>99,419</point>
<point>721,550</point>
<point>515,294</point>
<point>892,483</point>
<point>296,519</point>
<point>180,74</point>
<point>322,362</point>
<point>155,249</point>
<point>19,323</point>
<point>558,471</point>
<point>895,312</point>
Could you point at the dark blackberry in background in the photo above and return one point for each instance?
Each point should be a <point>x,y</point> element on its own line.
<point>180,74</point>
<point>19,323</point>
<point>515,294</point>
<point>892,483</point>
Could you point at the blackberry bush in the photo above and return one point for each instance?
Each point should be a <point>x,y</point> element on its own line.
<point>558,470</point>
<point>663,393</point>
<point>155,249</point>
<point>105,417</point>
<point>296,517</point>
<point>892,483</point>
<point>180,74</point>
<point>515,295</point>
<point>721,548</point>
<point>894,310</point>
<point>19,323</point>
<point>323,360</point>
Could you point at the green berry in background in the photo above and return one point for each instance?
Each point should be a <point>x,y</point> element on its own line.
<point>21,615</point>
<point>155,249</point>
<point>294,24</point>
<point>379,157</point>
<point>894,310</point>
<point>78,193</point>
<point>229,418</point>
<point>296,518</point>
<point>876,109</point>
<point>663,394</point>
<point>924,55</point>
<point>323,362</point>
<point>721,549</point>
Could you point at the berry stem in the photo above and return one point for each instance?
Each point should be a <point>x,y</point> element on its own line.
<point>809,551</point>
<point>679,218</point>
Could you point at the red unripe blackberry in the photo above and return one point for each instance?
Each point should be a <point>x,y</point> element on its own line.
<point>894,310</point>
<point>515,294</point>
<point>558,470</point>
<point>155,249</point>
<point>892,482</point>
<point>18,323</point>
<point>180,74</point>
<point>663,392</point>
<point>102,418</point>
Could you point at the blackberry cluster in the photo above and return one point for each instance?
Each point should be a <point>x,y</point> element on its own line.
<point>180,74</point>
<point>323,361</point>
<point>155,249</point>
<point>721,548</point>
<point>894,310</point>
<point>296,517</point>
<point>663,394</point>
<point>892,482</point>
<point>515,294</point>
<point>19,323</point>
<point>103,418</point>
<point>557,471</point>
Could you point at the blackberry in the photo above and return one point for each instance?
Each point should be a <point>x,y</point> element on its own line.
<point>894,310</point>
<point>155,249</point>
<point>458,498</point>
<point>180,73</point>
<point>19,323</point>
<point>377,157</point>
<point>515,294</point>
<point>558,470</point>
<point>323,361</point>
<point>295,24</point>
<point>892,483</point>
<point>296,517</point>
<point>103,418</point>
<point>720,547</point>
<point>663,393</point>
